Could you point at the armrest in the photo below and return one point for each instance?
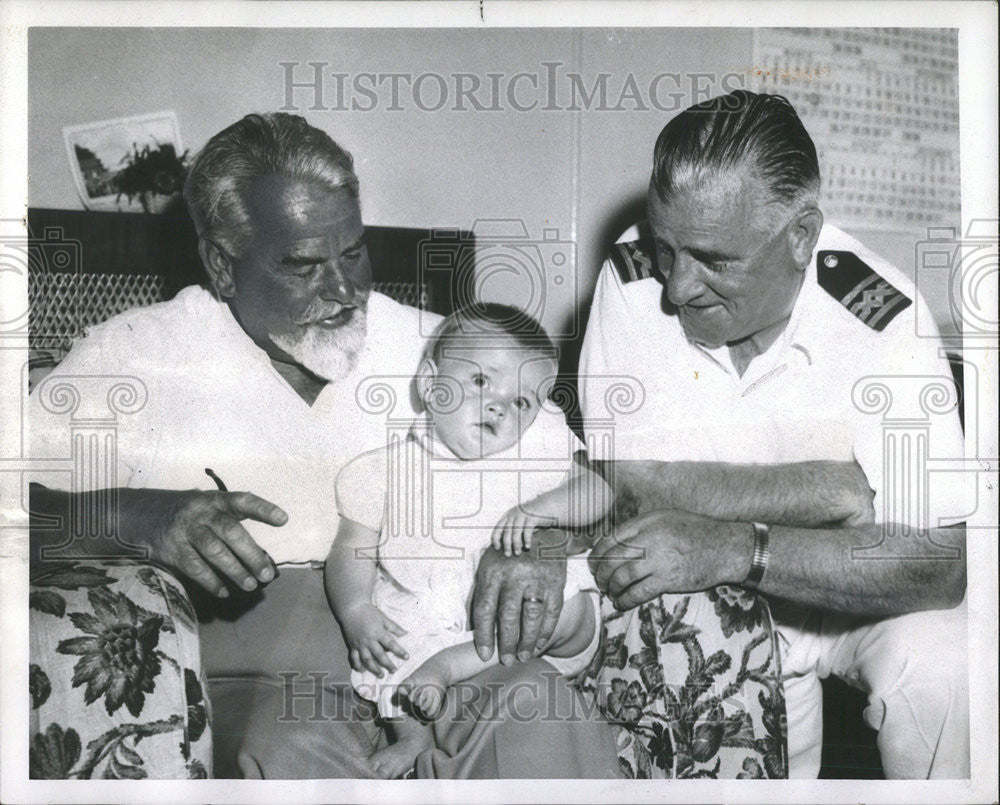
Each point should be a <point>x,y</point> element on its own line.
<point>117,687</point>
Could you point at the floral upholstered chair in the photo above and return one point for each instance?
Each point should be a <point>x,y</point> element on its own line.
<point>115,677</point>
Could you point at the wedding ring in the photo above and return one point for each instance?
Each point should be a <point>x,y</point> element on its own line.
<point>534,599</point>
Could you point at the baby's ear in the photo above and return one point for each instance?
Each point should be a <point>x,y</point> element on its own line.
<point>426,375</point>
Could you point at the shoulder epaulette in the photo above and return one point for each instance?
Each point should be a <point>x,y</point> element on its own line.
<point>633,260</point>
<point>860,289</point>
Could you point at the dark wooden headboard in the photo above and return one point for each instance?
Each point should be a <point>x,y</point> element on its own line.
<point>87,266</point>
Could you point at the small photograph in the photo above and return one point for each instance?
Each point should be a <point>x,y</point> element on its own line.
<point>130,164</point>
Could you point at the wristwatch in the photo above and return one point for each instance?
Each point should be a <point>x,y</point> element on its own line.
<point>761,555</point>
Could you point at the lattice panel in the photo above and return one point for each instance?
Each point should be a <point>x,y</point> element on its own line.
<point>413,294</point>
<point>64,306</point>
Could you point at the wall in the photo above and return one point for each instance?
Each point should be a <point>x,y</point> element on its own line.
<point>578,171</point>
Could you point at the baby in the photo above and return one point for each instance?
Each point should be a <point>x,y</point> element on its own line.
<point>417,515</point>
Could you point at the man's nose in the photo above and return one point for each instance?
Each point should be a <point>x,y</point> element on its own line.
<point>336,286</point>
<point>683,282</point>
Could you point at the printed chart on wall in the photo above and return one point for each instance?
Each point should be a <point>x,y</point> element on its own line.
<point>882,107</point>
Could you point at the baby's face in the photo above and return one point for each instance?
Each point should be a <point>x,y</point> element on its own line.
<point>485,393</point>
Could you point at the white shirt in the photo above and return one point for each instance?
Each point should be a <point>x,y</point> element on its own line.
<point>803,399</point>
<point>435,515</point>
<point>213,399</point>
<point>435,512</point>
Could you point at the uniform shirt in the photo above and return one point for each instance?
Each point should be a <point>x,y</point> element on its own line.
<point>213,399</point>
<point>649,393</point>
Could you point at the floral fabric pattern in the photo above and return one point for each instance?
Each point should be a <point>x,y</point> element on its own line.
<point>115,676</point>
<point>691,685</point>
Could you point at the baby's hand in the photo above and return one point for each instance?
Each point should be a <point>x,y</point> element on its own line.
<point>370,635</point>
<point>513,532</point>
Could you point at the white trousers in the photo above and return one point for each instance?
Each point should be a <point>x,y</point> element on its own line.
<point>915,670</point>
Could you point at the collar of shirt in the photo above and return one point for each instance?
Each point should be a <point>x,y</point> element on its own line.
<point>422,433</point>
<point>790,349</point>
<point>241,353</point>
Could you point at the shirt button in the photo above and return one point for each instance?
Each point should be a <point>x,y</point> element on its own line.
<point>831,261</point>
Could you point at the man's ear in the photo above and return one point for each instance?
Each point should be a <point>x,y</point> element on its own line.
<point>219,267</point>
<point>803,234</point>
<point>426,375</point>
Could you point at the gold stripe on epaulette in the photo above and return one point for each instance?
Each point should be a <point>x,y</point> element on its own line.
<point>632,261</point>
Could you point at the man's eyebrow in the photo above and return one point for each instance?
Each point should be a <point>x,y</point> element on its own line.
<point>711,256</point>
<point>301,260</point>
<point>699,254</point>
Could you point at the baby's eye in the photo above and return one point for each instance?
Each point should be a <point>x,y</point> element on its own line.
<point>522,403</point>
<point>479,380</point>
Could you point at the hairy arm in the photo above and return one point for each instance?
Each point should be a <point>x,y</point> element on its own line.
<point>866,570</point>
<point>860,570</point>
<point>811,493</point>
<point>193,533</point>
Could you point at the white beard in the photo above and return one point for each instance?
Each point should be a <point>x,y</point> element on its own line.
<point>330,354</point>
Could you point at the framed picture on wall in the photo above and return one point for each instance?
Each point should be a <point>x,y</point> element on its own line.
<point>129,164</point>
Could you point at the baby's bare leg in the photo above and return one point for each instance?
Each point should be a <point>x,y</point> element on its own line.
<point>409,738</point>
<point>575,628</point>
<point>426,686</point>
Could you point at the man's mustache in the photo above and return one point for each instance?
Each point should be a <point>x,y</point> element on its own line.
<point>317,312</point>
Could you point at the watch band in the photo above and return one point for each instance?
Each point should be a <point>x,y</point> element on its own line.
<point>761,555</point>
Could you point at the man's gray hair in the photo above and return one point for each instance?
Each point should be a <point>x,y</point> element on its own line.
<point>256,146</point>
<point>742,130</point>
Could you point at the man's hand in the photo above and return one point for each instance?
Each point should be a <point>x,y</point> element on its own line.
<point>669,551</point>
<point>370,636</point>
<point>519,598</point>
<point>199,535</point>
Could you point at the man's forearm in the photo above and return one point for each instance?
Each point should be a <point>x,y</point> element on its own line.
<point>70,521</point>
<point>808,493</point>
<point>861,570</point>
